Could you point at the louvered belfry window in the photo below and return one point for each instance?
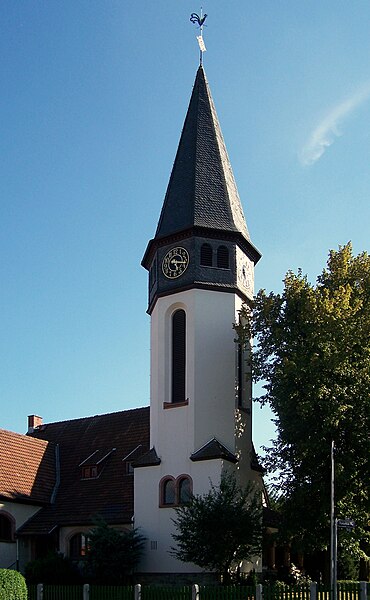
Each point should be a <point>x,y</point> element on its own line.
<point>206,255</point>
<point>222,257</point>
<point>178,356</point>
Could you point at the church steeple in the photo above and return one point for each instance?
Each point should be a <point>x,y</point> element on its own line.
<point>202,199</point>
<point>202,190</point>
<point>201,268</point>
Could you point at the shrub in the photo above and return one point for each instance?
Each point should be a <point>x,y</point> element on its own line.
<point>54,568</point>
<point>12,585</point>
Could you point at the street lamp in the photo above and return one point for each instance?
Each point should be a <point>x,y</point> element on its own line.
<point>347,524</point>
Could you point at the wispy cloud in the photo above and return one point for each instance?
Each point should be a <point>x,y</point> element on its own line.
<point>328,129</point>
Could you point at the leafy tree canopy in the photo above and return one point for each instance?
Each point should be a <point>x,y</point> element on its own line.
<point>219,529</point>
<point>312,351</point>
<point>113,555</point>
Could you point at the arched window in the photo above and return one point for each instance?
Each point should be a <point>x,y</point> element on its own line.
<point>240,376</point>
<point>168,492</point>
<point>78,546</point>
<point>174,492</point>
<point>222,257</point>
<point>6,528</point>
<point>178,356</point>
<point>206,255</point>
<point>184,490</point>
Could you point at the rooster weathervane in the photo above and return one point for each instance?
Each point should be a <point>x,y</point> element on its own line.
<point>195,18</point>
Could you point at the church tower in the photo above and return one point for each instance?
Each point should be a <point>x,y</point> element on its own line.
<point>201,265</point>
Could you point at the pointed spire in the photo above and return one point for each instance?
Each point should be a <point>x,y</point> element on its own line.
<point>202,191</point>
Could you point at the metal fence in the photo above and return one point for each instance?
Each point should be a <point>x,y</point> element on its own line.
<point>309,591</point>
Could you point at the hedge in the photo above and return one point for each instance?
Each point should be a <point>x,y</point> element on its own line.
<point>12,585</point>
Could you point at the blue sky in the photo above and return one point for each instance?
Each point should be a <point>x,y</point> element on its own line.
<point>93,98</point>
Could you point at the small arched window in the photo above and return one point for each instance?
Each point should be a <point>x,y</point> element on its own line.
<point>178,356</point>
<point>174,492</point>
<point>168,492</point>
<point>222,257</point>
<point>6,529</point>
<point>78,546</point>
<point>184,490</point>
<point>206,255</point>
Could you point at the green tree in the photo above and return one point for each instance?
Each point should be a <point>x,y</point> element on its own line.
<point>312,351</point>
<point>113,555</point>
<point>218,530</point>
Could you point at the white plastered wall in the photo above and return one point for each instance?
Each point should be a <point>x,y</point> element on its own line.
<point>178,431</point>
<point>210,368</point>
<point>8,550</point>
<point>155,522</point>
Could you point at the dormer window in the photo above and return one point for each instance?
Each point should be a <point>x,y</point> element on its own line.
<point>129,468</point>
<point>130,458</point>
<point>90,472</point>
<point>93,465</point>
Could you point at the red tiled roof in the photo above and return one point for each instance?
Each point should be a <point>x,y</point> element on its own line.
<point>79,501</point>
<point>27,468</point>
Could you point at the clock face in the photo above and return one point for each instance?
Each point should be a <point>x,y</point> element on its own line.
<point>175,262</point>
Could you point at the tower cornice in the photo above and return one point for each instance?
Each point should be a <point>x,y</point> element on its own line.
<point>221,234</point>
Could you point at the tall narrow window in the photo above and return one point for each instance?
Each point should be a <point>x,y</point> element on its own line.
<point>178,356</point>
<point>153,274</point>
<point>169,492</point>
<point>184,490</point>
<point>240,376</point>
<point>222,257</point>
<point>206,255</point>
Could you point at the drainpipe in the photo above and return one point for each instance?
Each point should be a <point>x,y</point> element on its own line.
<point>57,474</point>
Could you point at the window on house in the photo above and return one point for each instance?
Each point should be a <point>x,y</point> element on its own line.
<point>222,257</point>
<point>78,546</point>
<point>90,472</point>
<point>184,490</point>
<point>206,255</point>
<point>129,468</point>
<point>178,356</point>
<point>168,492</point>
<point>6,528</point>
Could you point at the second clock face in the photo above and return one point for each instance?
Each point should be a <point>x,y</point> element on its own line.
<point>175,262</point>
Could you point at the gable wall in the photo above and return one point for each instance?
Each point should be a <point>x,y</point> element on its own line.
<point>8,550</point>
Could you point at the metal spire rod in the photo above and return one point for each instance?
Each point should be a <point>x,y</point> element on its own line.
<point>195,18</point>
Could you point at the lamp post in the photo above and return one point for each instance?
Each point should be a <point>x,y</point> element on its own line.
<point>333,528</point>
<point>347,524</point>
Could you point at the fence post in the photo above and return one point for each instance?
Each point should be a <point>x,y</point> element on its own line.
<point>195,592</point>
<point>138,591</point>
<point>313,590</point>
<point>40,591</point>
<point>259,591</point>
<point>86,591</point>
<point>363,590</point>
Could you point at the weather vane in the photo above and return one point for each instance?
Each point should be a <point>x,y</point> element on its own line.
<point>195,18</point>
